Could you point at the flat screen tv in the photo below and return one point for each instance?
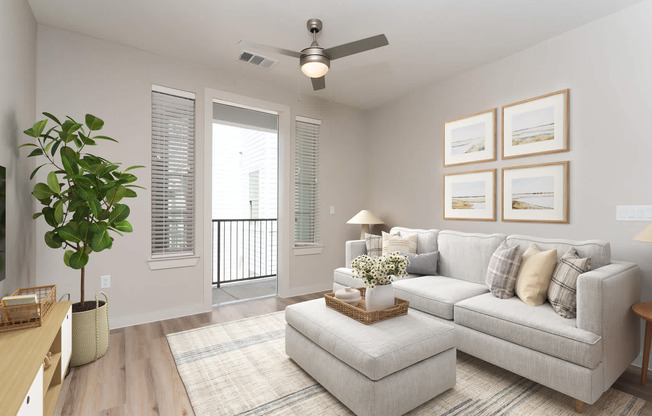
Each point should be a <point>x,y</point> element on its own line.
<point>3,220</point>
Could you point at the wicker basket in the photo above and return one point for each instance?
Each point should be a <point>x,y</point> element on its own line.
<point>359,312</point>
<point>28,316</point>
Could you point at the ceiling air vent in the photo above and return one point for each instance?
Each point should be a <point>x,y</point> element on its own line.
<point>257,60</point>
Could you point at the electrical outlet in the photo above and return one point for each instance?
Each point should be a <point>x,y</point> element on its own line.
<point>105,281</point>
<point>332,210</point>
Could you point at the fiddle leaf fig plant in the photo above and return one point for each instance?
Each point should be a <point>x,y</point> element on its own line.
<point>83,195</point>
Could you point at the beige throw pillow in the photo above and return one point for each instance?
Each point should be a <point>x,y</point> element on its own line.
<point>535,274</point>
<point>403,244</point>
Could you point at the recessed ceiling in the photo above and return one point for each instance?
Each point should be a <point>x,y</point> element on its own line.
<point>429,41</point>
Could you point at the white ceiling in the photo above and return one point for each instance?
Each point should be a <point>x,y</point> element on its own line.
<point>429,40</point>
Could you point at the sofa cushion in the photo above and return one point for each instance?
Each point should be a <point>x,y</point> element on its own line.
<point>374,244</point>
<point>423,264</point>
<point>535,274</point>
<point>402,244</point>
<point>426,239</point>
<point>466,255</point>
<point>503,270</point>
<point>562,292</point>
<point>538,328</point>
<point>436,295</point>
<point>598,251</point>
<point>374,350</point>
<point>344,276</point>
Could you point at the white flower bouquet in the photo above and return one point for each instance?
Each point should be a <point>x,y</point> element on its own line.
<point>382,270</point>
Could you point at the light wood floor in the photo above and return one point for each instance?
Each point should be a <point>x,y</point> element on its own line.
<point>138,377</point>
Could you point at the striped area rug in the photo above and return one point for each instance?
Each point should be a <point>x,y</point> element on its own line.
<point>240,368</point>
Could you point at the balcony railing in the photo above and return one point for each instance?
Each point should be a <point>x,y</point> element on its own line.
<point>244,249</point>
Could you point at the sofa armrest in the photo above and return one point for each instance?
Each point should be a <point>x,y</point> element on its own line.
<point>354,248</point>
<point>604,306</point>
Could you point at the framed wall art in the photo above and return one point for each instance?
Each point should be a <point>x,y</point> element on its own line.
<point>536,193</point>
<point>536,126</point>
<point>470,195</point>
<point>470,139</point>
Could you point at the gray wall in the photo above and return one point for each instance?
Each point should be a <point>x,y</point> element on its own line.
<point>606,64</point>
<point>17,106</point>
<point>114,83</point>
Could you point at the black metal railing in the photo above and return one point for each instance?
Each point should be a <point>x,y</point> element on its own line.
<point>244,249</point>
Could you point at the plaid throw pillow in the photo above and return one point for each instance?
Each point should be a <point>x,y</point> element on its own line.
<point>562,292</point>
<point>503,270</point>
<point>374,245</point>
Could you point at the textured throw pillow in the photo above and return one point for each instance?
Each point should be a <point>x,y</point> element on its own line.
<point>534,276</point>
<point>562,292</point>
<point>423,264</point>
<point>374,245</point>
<point>503,270</point>
<point>404,244</point>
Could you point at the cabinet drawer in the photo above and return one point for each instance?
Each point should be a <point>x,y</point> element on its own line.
<point>33,402</point>
<point>66,342</point>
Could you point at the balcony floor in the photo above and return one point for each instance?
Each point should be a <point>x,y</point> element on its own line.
<point>249,289</point>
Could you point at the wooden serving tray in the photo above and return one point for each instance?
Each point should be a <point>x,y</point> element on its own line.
<point>359,312</point>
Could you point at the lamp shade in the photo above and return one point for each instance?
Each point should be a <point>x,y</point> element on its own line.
<point>645,235</point>
<point>365,217</point>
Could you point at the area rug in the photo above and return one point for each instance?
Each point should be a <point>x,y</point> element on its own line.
<point>240,368</point>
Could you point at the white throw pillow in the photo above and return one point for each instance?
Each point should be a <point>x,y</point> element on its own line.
<point>403,244</point>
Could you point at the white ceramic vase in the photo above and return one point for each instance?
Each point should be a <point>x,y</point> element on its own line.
<point>379,297</point>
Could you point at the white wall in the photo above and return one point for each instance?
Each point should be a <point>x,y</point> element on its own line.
<point>606,64</point>
<point>17,105</point>
<point>78,74</point>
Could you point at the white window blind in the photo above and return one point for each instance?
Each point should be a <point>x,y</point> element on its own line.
<point>306,182</point>
<point>173,172</point>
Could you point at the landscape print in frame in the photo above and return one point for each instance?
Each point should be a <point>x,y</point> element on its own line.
<point>536,126</point>
<point>536,193</point>
<point>470,139</point>
<point>470,195</point>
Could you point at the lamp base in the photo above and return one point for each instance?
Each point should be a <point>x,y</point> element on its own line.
<point>365,230</point>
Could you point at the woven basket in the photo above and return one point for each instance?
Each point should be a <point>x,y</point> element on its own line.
<point>359,311</point>
<point>90,333</point>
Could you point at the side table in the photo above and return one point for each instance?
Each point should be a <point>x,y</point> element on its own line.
<point>644,310</point>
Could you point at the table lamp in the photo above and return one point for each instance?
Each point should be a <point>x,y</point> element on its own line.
<point>365,217</point>
<point>645,235</point>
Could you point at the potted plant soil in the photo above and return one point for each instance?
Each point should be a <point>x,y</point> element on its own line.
<point>83,205</point>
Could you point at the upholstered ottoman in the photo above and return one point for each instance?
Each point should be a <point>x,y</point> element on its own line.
<point>387,368</point>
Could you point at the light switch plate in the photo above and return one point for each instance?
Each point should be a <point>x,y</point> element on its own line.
<point>105,281</point>
<point>332,210</point>
<point>634,213</point>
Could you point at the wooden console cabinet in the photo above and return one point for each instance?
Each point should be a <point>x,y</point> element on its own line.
<point>26,387</point>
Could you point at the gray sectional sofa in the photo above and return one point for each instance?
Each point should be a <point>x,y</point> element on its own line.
<point>579,357</point>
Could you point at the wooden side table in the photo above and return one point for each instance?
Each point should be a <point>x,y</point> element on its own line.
<point>644,310</point>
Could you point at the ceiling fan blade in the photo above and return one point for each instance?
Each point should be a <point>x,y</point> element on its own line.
<point>318,83</point>
<point>274,49</point>
<point>358,46</point>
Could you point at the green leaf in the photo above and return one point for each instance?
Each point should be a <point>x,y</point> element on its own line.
<point>101,240</point>
<point>38,127</point>
<point>134,167</point>
<point>35,152</point>
<point>93,123</point>
<point>127,178</point>
<point>95,207</point>
<point>30,132</point>
<point>35,216</point>
<point>41,191</point>
<point>130,193</point>
<point>53,240</point>
<point>84,193</point>
<point>58,212</point>
<point>55,147</point>
<point>78,260</point>
<point>48,214</point>
<point>36,170</point>
<point>68,233</point>
<point>123,226</point>
<point>66,257</point>
<point>27,144</point>
<point>104,138</point>
<point>83,230</point>
<point>53,182</point>
<point>115,194</point>
<point>51,117</point>
<point>119,213</point>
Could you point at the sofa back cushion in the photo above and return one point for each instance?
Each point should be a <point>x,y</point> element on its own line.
<point>426,239</point>
<point>598,251</point>
<point>466,255</point>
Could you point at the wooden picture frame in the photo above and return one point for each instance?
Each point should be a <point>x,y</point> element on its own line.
<point>536,193</point>
<point>470,139</point>
<point>536,126</point>
<point>470,195</point>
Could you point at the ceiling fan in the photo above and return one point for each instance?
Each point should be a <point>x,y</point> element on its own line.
<point>315,60</point>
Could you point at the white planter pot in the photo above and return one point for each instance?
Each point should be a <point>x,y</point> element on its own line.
<point>379,297</point>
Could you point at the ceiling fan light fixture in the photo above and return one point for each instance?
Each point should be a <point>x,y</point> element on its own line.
<point>314,65</point>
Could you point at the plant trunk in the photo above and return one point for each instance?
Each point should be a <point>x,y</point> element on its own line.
<point>83,273</point>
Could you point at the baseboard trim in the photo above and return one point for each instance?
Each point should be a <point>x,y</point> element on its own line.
<point>145,318</point>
